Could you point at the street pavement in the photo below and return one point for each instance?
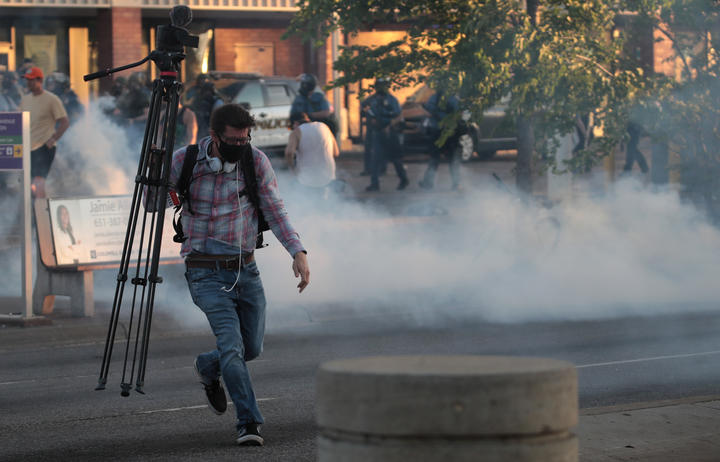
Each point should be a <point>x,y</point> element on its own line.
<point>51,412</point>
<point>649,387</point>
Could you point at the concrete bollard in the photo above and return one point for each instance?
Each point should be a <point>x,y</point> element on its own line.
<point>440,408</point>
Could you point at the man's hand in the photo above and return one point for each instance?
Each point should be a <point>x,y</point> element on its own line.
<point>51,142</point>
<point>302,270</point>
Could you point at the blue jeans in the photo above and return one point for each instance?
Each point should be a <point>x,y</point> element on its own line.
<point>237,319</point>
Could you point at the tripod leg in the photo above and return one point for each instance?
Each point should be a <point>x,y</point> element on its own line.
<point>149,178</point>
<point>128,244</point>
<point>167,144</point>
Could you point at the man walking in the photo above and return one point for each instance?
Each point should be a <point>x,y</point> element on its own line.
<point>311,153</point>
<point>48,122</point>
<point>632,153</point>
<point>221,225</point>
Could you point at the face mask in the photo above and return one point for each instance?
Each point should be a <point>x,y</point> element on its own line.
<point>306,88</point>
<point>233,152</point>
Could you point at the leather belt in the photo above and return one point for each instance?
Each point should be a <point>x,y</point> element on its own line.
<point>207,261</point>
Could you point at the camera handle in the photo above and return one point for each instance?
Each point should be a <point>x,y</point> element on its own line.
<point>152,184</point>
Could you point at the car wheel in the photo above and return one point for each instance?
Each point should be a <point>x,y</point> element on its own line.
<point>466,145</point>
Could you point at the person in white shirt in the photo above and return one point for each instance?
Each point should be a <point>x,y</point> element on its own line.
<point>310,154</point>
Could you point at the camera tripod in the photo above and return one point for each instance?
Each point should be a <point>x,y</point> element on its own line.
<point>140,260</point>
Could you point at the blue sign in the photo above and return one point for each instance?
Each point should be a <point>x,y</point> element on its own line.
<point>11,143</point>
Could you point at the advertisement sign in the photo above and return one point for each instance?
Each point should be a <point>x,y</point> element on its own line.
<point>42,49</point>
<point>92,230</point>
<point>11,141</point>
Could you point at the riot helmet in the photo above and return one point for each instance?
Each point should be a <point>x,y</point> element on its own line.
<point>57,83</point>
<point>9,80</point>
<point>201,78</point>
<point>137,80</point>
<point>382,85</point>
<point>119,84</point>
<point>308,82</point>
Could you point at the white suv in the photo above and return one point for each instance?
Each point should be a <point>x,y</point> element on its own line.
<point>267,98</point>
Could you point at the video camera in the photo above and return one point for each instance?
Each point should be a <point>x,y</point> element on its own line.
<point>173,37</point>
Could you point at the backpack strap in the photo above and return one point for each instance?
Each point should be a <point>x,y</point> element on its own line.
<point>183,184</point>
<point>247,163</point>
<point>183,189</point>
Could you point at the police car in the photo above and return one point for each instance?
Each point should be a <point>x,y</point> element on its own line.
<point>268,98</point>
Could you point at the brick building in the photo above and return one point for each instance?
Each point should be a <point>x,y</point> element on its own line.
<point>81,36</point>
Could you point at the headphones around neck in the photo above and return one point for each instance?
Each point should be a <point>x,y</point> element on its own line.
<point>217,165</point>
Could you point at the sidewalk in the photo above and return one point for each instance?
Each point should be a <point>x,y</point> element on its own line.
<point>686,430</point>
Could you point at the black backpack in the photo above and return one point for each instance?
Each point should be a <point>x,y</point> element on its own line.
<point>183,190</point>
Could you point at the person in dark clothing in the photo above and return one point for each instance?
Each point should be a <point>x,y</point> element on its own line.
<point>119,85</point>
<point>59,83</point>
<point>632,153</point>
<point>312,103</point>
<point>132,105</point>
<point>191,93</point>
<point>10,92</point>
<point>26,65</point>
<point>379,110</point>
<point>440,108</point>
<point>206,100</point>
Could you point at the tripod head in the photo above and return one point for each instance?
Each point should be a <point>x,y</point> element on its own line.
<point>170,43</point>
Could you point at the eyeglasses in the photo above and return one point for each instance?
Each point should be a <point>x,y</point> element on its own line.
<point>236,139</point>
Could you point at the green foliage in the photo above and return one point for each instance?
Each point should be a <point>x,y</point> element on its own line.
<point>565,64</point>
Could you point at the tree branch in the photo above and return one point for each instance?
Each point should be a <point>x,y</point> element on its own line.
<point>598,65</point>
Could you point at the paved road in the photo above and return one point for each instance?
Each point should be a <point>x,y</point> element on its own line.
<point>50,411</point>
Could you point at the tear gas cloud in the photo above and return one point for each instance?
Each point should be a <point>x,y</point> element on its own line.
<point>630,251</point>
<point>95,157</point>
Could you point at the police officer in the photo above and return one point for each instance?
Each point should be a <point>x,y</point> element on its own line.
<point>59,83</point>
<point>194,90</point>
<point>204,102</point>
<point>10,92</point>
<point>379,110</point>
<point>313,103</point>
<point>132,108</point>
<point>439,108</point>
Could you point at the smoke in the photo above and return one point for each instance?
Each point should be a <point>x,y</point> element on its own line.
<point>482,255</point>
<point>10,233</point>
<point>94,156</point>
<point>633,251</point>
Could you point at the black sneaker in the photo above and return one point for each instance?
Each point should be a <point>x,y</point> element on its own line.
<point>403,184</point>
<point>425,184</point>
<point>249,435</point>
<point>373,187</point>
<point>214,392</point>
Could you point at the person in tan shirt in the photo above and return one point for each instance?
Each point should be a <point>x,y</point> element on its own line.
<point>48,122</point>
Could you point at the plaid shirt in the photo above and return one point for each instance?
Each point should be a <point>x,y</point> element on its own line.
<point>218,213</point>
